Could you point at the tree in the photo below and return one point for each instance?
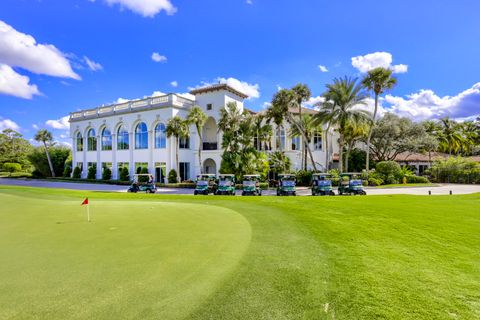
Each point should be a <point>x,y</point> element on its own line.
<point>14,148</point>
<point>106,174</point>
<point>354,132</point>
<point>124,174</point>
<point>263,131</point>
<point>279,162</point>
<point>340,108</point>
<point>284,102</point>
<point>450,136</point>
<point>310,127</point>
<point>197,117</point>
<point>45,137</point>
<point>394,135</point>
<point>302,93</point>
<point>77,173</point>
<point>177,128</point>
<point>377,80</point>
<point>58,156</point>
<point>11,168</point>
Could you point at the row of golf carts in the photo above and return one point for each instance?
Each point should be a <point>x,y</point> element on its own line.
<point>349,184</point>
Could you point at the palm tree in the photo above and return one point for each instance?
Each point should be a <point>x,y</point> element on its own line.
<point>282,103</point>
<point>377,80</point>
<point>302,93</point>
<point>471,135</point>
<point>310,127</point>
<point>341,99</point>
<point>263,132</point>
<point>355,131</point>
<point>450,136</point>
<point>45,137</point>
<point>197,117</point>
<point>178,128</point>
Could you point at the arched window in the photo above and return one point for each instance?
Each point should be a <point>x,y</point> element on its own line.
<point>91,140</point>
<point>106,139</point>
<point>160,136</point>
<point>141,136</point>
<point>79,142</point>
<point>122,139</point>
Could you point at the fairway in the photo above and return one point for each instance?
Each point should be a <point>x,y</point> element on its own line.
<point>185,257</point>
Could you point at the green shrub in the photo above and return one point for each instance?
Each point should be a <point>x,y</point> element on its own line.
<point>375,182</point>
<point>391,179</point>
<point>124,174</point>
<point>92,173</point>
<point>67,171</point>
<point>335,176</point>
<point>388,168</point>
<point>417,179</point>
<point>304,177</point>
<point>172,176</point>
<point>143,179</point>
<point>106,174</point>
<point>455,170</point>
<point>58,155</point>
<point>77,173</point>
<point>12,167</point>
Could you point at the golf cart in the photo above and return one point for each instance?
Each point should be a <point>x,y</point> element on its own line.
<point>322,184</point>
<point>205,184</point>
<point>286,185</point>
<point>148,186</point>
<point>350,184</point>
<point>226,185</point>
<point>251,185</point>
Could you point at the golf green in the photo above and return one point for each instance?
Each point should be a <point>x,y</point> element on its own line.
<point>185,257</point>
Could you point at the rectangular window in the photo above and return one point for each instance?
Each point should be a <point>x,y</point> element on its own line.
<point>184,171</point>
<point>121,165</point>
<point>91,164</point>
<point>160,172</point>
<point>139,166</point>
<point>209,106</point>
<point>296,143</point>
<point>280,139</point>
<point>317,141</point>
<point>184,143</point>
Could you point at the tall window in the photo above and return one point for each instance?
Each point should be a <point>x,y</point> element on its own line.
<point>296,143</point>
<point>141,136</point>
<point>91,140</point>
<point>317,140</point>
<point>122,139</point>
<point>184,171</point>
<point>280,139</point>
<point>106,139</point>
<point>184,143</point>
<point>160,136</point>
<point>79,142</point>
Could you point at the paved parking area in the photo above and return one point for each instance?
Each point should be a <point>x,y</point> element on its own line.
<point>443,189</point>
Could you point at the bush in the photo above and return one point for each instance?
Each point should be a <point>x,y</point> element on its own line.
<point>417,179</point>
<point>58,155</point>
<point>12,167</point>
<point>77,173</point>
<point>375,182</point>
<point>391,179</point>
<point>388,168</point>
<point>92,173</point>
<point>106,174</point>
<point>335,176</point>
<point>67,171</point>
<point>455,170</point>
<point>172,176</point>
<point>143,179</point>
<point>124,174</point>
<point>304,177</point>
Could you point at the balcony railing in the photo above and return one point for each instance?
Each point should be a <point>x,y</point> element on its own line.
<point>210,146</point>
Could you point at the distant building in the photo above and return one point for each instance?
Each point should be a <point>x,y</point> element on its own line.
<point>132,135</point>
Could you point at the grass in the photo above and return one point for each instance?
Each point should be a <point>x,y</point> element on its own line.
<point>407,185</point>
<point>185,257</point>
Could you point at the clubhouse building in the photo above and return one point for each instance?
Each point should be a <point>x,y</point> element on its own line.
<point>133,135</point>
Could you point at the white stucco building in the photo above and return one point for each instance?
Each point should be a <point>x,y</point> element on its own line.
<point>132,135</point>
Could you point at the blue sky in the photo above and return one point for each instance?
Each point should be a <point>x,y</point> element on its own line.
<point>84,53</point>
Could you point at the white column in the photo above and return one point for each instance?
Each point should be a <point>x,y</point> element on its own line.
<point>74,154</point>
<point>99,163</point>
<point>151,144</point>
<point>84,167</point>
<point>131,165</point>
<point>114,157</point>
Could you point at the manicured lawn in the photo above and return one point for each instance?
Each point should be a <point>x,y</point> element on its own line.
<point>408,185</point>
<point>186,257</point>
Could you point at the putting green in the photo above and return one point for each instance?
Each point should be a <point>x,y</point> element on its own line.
<point>164,258</point>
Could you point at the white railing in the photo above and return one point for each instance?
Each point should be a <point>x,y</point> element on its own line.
<point>152,102</point>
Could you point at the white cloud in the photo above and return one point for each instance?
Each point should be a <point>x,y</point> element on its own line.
<point>266,105</point>
<point>249,2</point>
<point>146,8</point>
<point>174,84</point>
<point>425,104</point>
<point>251,90</point>
<point>157,94</point>
<point>92,65</point>
<point>21,50</point>
<point>121,100</point>
<point>34,126</point>
<point>313,101</point>
<point>377,59</point>
<point>158,57</point>
<point>61,123</point>
<point>14,84</point>
<point>322,68</point>
<point>8,124</point>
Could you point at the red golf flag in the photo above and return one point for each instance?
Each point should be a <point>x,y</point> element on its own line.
<point>85,201</point>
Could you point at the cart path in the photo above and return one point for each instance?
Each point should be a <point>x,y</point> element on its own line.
<point>442,189</point>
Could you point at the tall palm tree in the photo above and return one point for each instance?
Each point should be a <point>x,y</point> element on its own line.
<point>45,137</point>
<point>310,127</point>
<point>341,99</point>
<point>283,102</point>
<point>177,128</point>
<point>471,136</point>
<point>450,136</point>
<point>229,124</point>
<point>377,80</point>
<point>302,93</point>
<point>197,117</point>
<point>263,131</point>
<point>355,131</point>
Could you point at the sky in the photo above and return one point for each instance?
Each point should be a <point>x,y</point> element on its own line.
<point>60,56</point>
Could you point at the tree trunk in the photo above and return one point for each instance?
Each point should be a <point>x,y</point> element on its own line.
<point>340,160</point>
<point>304,152</point>
<point>347,156</point>
<point>200,144</point>
<point>308,146</point>
<point>176,159</point>
<point>367,166</point>
<point>48,159</point>
<point>327,155</point>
